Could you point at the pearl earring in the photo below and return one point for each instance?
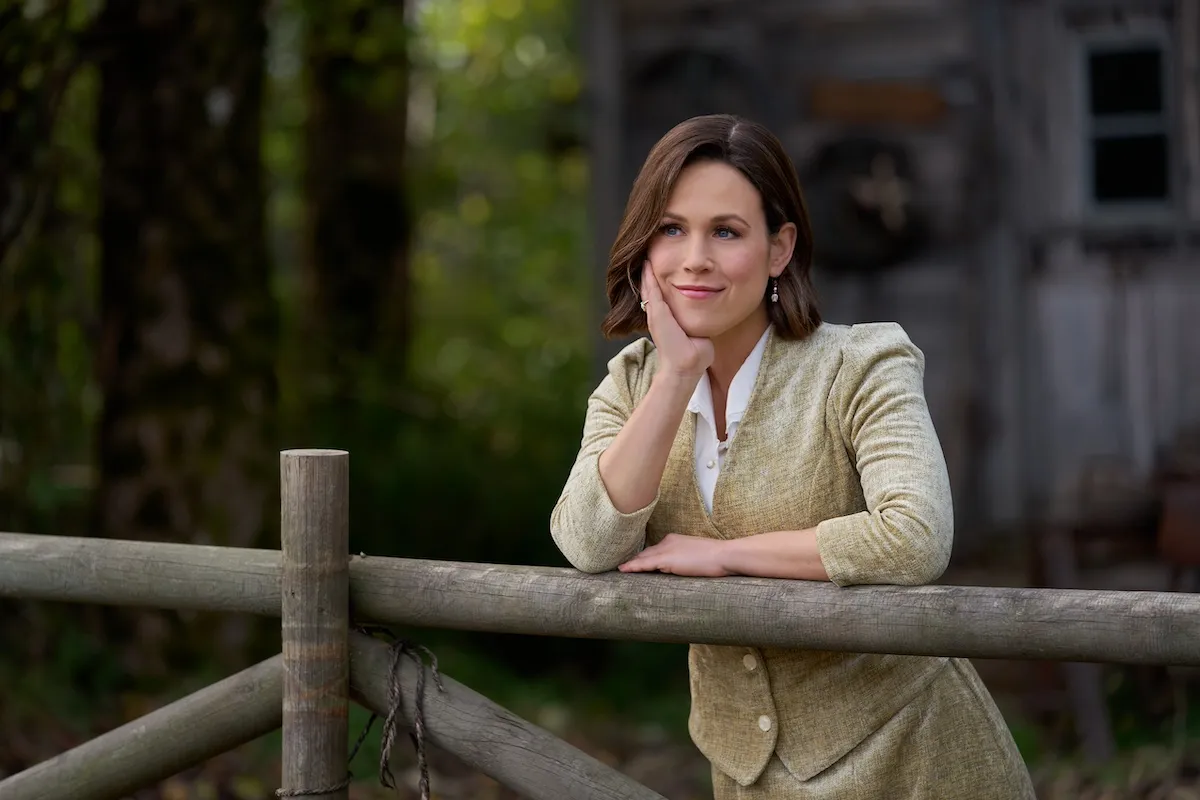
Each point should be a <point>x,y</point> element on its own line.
<point>775,292</point>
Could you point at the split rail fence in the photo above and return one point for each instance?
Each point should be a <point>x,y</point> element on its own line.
<point>320,591</point>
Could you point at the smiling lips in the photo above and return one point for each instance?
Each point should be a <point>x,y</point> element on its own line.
<point>698,292</point>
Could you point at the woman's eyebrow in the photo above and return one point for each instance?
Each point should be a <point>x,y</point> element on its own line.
<point>730,218</point>
<point>670,215</point>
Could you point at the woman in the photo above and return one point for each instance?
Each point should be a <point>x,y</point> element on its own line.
<point>750,438</point>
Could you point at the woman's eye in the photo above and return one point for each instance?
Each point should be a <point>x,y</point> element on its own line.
<point>725,233</point>
<point>671,229</point>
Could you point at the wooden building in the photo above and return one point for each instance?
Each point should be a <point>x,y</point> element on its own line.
<point>1017,182</point>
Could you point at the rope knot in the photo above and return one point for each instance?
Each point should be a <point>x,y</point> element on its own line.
<point>400,649</point>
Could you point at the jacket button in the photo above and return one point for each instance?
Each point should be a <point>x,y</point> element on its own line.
<point>750,661</point>
<point>764,723</point>
<point>711,463</point>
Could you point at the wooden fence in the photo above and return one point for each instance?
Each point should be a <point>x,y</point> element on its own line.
<point>319,591</point>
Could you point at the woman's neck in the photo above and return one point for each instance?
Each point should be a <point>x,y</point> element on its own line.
<point>732,349</point>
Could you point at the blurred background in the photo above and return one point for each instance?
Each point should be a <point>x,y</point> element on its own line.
<point>242,226</point>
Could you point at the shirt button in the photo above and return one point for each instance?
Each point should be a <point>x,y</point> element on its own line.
<point>711,463</point>
<point>764,723</point>
<point>750,661</point>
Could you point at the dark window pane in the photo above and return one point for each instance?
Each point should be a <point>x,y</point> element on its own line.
<point>1126,81</point>
<point>1130,168</point>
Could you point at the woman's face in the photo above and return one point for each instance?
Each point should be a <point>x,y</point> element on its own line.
<point>713,254</point>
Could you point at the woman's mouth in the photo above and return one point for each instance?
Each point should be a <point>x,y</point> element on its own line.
<point>698,292</point>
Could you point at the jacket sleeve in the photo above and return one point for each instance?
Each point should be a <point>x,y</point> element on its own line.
<point>905,535</point>
<point>585,525</point>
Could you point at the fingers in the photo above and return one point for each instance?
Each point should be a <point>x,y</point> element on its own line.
<point>651,299</point>
<point>647,560</point>
<point>652,558</point>
<point>636,564</point>
<point>650,290</point>
<point>659,318</point>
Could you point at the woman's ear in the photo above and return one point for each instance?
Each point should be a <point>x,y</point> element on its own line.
<point>783,244</point>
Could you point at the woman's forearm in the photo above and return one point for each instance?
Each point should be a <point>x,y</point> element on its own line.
<point>632,466</point>
<point>776,554</point>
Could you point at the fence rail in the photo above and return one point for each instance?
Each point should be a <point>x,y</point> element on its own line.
<point>164,742</point>
<point>318,590</point>
<point>1127,627</point>
<point>242,707</point>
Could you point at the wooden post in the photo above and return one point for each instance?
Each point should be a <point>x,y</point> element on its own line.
<point>315,543</point>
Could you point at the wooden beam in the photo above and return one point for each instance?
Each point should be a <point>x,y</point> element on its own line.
<point>163,743</point>
<point>315,538</point>
<point>976,622</point>
<point>119,572</point>
<point>875,102</point>
<point>968,621</point>
<point>523,757</point>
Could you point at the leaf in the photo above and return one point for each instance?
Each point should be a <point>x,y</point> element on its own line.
<point>248,787</point>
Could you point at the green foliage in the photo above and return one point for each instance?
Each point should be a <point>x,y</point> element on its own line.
<point>500,278</point>
<point>500,269</point>
<point>47,323</point>
<point>74,685</point>
<point>466,450</point>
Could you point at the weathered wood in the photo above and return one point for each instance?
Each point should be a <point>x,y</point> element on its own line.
<point>315,536</point>
<point>977,622</point>
<point>121,572</point>
<point>527,759</point>
<point>189,731</point>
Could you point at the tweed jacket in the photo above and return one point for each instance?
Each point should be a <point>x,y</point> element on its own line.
<point>837,435</point>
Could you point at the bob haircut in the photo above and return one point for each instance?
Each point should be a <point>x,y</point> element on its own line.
<point>756,153</point>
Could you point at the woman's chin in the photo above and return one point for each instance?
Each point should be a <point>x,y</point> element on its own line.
<point>717,325</point>
<point>701,329</point>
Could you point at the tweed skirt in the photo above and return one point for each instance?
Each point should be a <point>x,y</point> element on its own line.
<point>950,742</point>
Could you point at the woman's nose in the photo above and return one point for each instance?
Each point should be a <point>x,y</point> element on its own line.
<point>698,258</point>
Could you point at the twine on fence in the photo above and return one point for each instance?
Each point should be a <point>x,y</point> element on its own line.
<point>315,792</point>
<point>400,648</point>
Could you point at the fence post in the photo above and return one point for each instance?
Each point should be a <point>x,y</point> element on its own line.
<point>315,533</point>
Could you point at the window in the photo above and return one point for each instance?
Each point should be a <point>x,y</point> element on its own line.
<point>1126,105</point>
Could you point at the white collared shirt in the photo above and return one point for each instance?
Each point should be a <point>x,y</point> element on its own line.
<point>709,452</point>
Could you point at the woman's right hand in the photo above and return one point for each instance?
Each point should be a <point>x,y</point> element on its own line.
<point>678,354</point>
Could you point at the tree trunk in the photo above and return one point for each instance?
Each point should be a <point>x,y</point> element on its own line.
<point>186,448</point>
<point>359,228</point>
<point>38,57</point>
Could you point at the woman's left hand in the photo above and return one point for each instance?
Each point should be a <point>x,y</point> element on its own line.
<point>677,554</point>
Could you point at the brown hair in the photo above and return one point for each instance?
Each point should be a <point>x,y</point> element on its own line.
<point>756,153</point>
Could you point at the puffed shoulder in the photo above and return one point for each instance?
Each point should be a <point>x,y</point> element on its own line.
<point>632,359</point>
<point>868,343</point>
<point>630,370</point>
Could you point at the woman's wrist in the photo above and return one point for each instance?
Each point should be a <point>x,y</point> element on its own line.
<point>774,554</point>
<point>731,556</point>
<point>675,383</point>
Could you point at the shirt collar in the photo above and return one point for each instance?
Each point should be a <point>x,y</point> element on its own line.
<point>740,387</point>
